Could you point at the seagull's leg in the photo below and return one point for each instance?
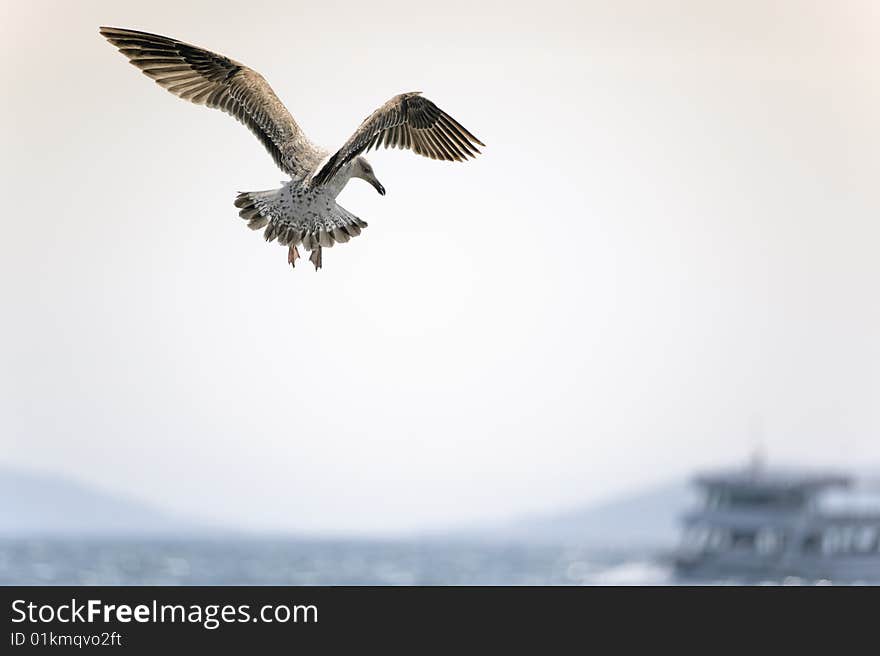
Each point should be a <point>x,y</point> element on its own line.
<point>315,257</point>
<point>292,256</point>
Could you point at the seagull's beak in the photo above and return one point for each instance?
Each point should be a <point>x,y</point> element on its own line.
<point>377,186</point>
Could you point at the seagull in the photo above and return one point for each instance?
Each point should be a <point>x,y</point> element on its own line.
<point>304,210</point>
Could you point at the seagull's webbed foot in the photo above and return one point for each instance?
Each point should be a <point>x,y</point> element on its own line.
<point>292,256</point>
<point>315,258</point>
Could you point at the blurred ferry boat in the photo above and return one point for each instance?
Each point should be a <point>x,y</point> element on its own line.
<point>755,525</point>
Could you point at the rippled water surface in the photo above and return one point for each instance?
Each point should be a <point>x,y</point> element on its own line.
<point>288,562</point>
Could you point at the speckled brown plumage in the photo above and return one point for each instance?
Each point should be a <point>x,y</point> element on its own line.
<point>304,210</point>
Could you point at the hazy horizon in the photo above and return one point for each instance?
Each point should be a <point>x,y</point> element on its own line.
<point>665,258</point>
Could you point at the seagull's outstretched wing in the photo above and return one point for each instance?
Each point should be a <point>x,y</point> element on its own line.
<point>406,121</point>
<point>207,78</point>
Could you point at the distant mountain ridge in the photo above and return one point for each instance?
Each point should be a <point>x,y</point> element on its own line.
<point>39,504</point>
<point>44,504</point>
<point>647,518</point>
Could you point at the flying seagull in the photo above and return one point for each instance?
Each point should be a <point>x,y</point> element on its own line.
<point>304,210</point>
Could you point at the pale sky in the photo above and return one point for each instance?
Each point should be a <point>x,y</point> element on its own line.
<point>666,256</point>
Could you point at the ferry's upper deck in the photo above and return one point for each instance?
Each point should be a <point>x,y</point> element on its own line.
<point>757,488</point>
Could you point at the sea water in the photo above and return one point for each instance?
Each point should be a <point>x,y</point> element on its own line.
<point>314,562</point>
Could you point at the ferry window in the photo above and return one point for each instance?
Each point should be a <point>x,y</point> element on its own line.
<point>743,498</point>
<point>717,540</point>
<point>812,543</point>
<point>849,539</point>
<point>715,499</point>
<point>696,538</point>
<point>768,541</point>
<point>742,539</point>
<point>756,498</point>
<point>833,541</point>
<point>864,539</point>
<point>829,542</point>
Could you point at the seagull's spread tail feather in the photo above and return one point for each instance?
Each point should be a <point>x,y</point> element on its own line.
<point>249,211</point>
<point>314,222</point>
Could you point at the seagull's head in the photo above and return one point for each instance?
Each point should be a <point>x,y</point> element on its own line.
<point>364,171</point>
